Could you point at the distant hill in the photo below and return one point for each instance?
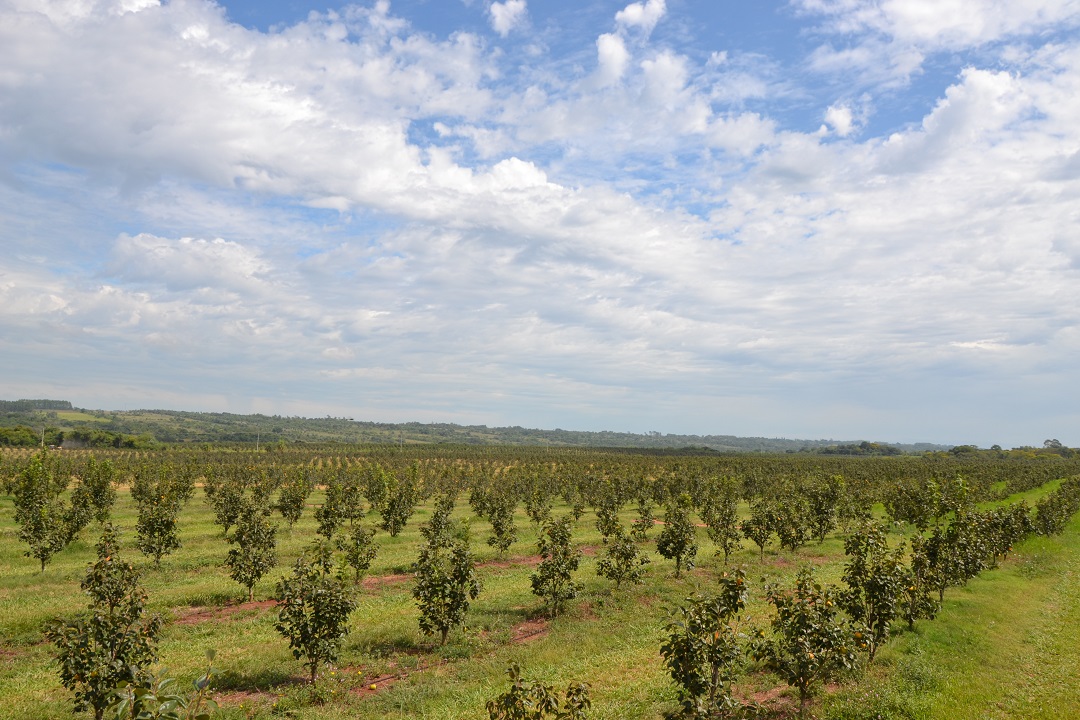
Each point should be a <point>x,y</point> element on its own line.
<point>134,428</point>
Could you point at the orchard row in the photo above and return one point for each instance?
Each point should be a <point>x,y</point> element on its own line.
<point>818,631</point>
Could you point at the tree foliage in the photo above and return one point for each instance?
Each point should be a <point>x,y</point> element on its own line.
<point>532,700</point>
<point>678,539</point>
<point>313,609</point>
<point>113,641</point>
<point>46,522</point>
<point>811,643</point>
<point>255,551</point>
<point>876,579</point>
<point>553,579</point>
<point>159,494</point>
<point>621,561</point>
<point>446,583</point>
<point>703,651</point>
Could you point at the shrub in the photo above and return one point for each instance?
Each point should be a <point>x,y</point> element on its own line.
<point>703,652</point>
<point>677,540</point>
<point>112,642</point>
<point>313,609</point>
<point>552,580</point>
<point>811,643</point>
<point>255,553</point>
<point>535,701</point>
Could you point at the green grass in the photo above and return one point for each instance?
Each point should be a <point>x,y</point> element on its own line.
<point>76,416</point>
<point>1005,646</point>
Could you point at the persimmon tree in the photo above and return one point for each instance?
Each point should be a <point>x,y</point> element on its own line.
<point>811,643</point>
<point>314,605</point>
<point>114,641</point>
<point>622,561</point>
<point>875,578</point>
<point>760,526</point>
<point>704,650</point>
<point>553,579</point>
<point>45,520</point>
<point>678,539</point>
<point>255,551</point>
<point>533,700</point>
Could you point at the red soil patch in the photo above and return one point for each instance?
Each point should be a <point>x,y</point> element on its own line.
<point>374,685</point>
<point>661,522</point>
<point>375,581</point>
<point>779,561</point>
<point>196,615</point>
<point>529,630</point>
<point>520,561</point>
<point>768,696</point>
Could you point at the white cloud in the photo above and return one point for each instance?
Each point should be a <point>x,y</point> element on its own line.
<point>641,15</point>
<point>505,16</point>
<point>898,34</point>
<point>424,219</point>
<point>188,264</point>
<point>840,119</point>
<point>611,57</point>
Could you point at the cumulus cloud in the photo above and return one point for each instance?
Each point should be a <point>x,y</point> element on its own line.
<point>505,16</point>
<point>611,57</point>
<point>346,201</point>
<point>187,263</point>
<point>841,119</point>
<point>643,16</point>
<point>898,34</point>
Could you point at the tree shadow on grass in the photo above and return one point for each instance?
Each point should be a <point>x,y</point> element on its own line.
<point>259,681</point>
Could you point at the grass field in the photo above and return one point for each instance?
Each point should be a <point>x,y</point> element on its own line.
<point>1005,646</point>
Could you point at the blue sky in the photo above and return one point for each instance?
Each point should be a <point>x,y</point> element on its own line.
<point>851,219</point>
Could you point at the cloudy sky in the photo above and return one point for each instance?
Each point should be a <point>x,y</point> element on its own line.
<point>853,219</point>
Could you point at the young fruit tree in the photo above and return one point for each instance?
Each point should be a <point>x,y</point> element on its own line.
<point>643,522</point>
<point>255,551</point>
<point>622,561</point>
<point>45,521</point>
<point>811,643</point>
<point>400,501</point>
<point>720,513</point>
<point>532,700</point>
<point>792,520</point>
<point>313,609</point>
<point>552,580</point>
<point>761,524</point>
<point>703,652</point>
<point>446,583</point>
<point>500,512</point>
<point>359,549</point>
<point>917,602</point>
<point>876,579</point>
<point>331,514</point>
<point>226,498</point>
<point>293,496</point>
<point>97,489</point>
<point>159,495</point>
<point>678,539</point>
<point>111,643</point>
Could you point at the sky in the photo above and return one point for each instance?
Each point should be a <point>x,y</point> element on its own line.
<point>849,219</point>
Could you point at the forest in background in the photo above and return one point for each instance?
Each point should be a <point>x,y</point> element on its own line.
<point>26,423</point>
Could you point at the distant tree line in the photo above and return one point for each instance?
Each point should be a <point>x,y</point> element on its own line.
<point>31,405</point>
<point>23,436</point>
